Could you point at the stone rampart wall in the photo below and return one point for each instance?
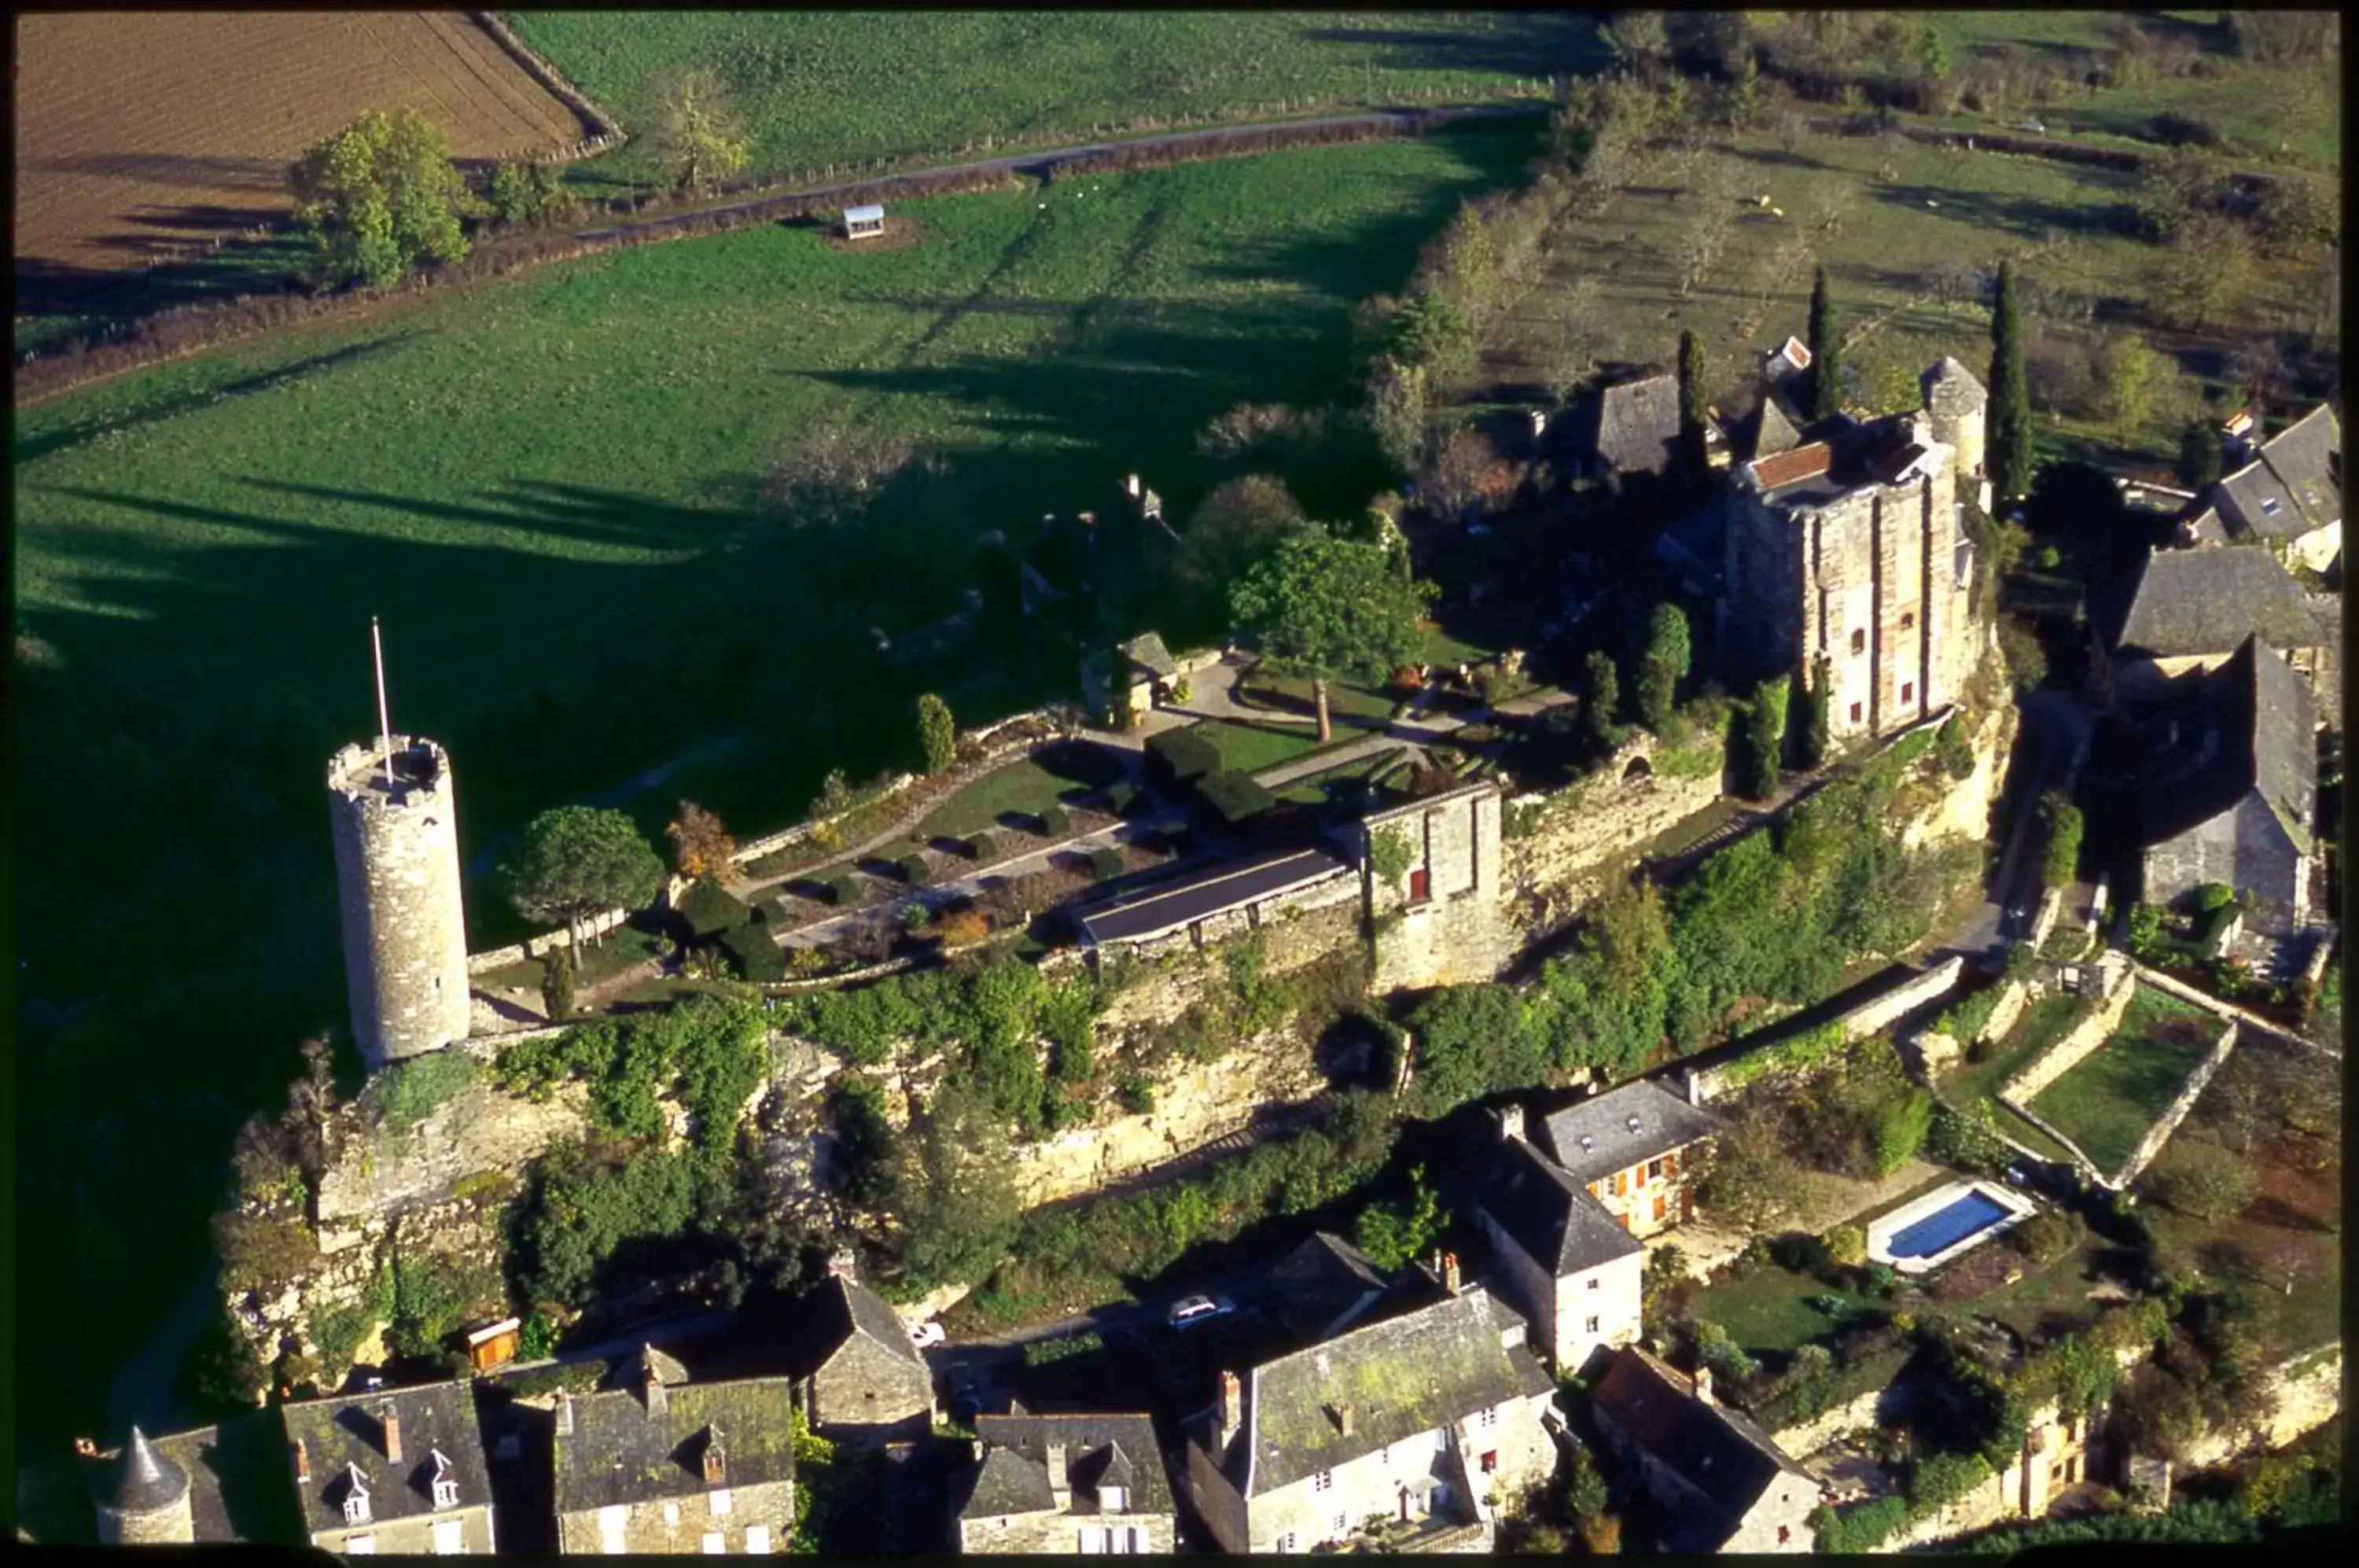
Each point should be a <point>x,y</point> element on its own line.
<point>1595,827</point>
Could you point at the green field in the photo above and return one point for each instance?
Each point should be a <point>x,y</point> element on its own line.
<point>2106,1102</point>
<point>546,488</point>
<point>815,87</point>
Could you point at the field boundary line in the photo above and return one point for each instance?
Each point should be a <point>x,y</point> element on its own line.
<point>607,130</point>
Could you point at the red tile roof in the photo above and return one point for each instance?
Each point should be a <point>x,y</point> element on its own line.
<point>1786,467</point>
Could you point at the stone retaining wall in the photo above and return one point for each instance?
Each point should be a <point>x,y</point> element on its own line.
<point>1876,1406</point>
<point>2219,1010</point>
<point>2159,1134</point>
<point>2299,1394</point>
<point>1856,1024</point>
<point>2069,1051</point>
<point>2014,995</point>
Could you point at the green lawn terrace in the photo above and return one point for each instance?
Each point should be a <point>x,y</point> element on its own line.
<point>817,88</point>
<point>2044,1022</point>
<point>2107,1101</point>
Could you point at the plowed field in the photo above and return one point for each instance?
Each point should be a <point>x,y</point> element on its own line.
<point>140,137</point>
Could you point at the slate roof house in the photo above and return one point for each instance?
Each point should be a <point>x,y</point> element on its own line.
<point>1572,1270</point>
<point>1325,1286</point>
<point>665,1465</point>
<point>1418,1424</point>
<point>1628,430</point>
<point>858,1376</point>
<point>1631,1148</point>
<point>2231,794</point>
<point>1726,1487</point>
<point>396,1470</point>
<point>2288,496</point>
<point>2188,610</point>
<point>217,1484</point>
<point>1084,1482</point>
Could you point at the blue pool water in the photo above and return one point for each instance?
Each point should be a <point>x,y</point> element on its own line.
<point>1947,1227</point>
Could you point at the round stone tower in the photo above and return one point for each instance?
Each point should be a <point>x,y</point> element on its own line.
<point>143,1498</point>
<point>1954,405</point>
<point>398,879</point>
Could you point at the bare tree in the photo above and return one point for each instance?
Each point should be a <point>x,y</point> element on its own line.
<point>695,130</point>
<point>830,474</point>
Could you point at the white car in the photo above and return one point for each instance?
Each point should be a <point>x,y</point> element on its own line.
<point>928,1334</point>
<point>1196,1309</point>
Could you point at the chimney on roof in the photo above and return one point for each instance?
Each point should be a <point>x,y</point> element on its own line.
<point>302,1463</point>
<point>1703,1385</point>
<point>652,1386</point>
<point>390,1419</point>
<point>1450,1272</point>
<point>716,1458</point>
<point>1343,1418</point>
<point>564,1413</point>
<point>1695,1087</point>
<point>1511,1124</point>
<point>1632,1121</point>
<point>842,1265</point>
<point>1232,1411</point>
<point>1061,1488</point>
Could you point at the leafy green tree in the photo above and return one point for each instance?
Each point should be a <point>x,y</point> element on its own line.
<point>525,192</point>
<point>1691,406</point>
<point>1393,1234</point>
<point>1664,665</point>
<point>1818,695</point>
<point>1235,528</point>
<point>575,862</point>
<point>379,197</point>
<point>937,733</point>
<point>1747,1177</point>
<point>695,131</point>
<point>1598,729</point>
<point>2010,446</point>
<point>1471,1041</point>
<point>1329,608</point>
<point>959,1207</point>
<point>2133,374</point>
<point>1826,351</point>
<point>1765,732</point>
<point>1584,1493</point>
<point>1394,411</point>
<point>1933,53</point>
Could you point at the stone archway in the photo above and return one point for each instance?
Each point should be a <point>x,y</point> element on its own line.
<point>1638,770</point>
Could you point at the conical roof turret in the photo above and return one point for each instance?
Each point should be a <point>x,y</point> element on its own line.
<point>147,1481</point>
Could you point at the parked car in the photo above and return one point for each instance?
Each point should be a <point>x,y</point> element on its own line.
<point>1196,1309</point>
<point>928,1334</point>
<point>2034,127</point>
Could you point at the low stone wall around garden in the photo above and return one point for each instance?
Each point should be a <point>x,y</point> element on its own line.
<point>534,947</point>
<point>2299,1394</point>
<point>2219,1010</point>
<point>1858,1023</point>
<point>2014,995</point>
<point>2069,1053</point>
<point>2159,1134</point>
<point>1875,1406</point>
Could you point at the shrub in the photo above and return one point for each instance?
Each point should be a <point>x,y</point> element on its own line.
<point>1949,745</point>
<point>756,958</point>
<point>1106,862</point>
<point>1233,798</point>
<point>1122,798</point>
<point>841,890</point>
<point>410,1091</point>
<point>556,982</point>
<point>1178,756</point>
<point>1863,1529</point>
<point>962,928</point>
<point>2214,896</point>
<point>1847,1245</point>
<point>772,912</point>
<point>980,845</point>
<point>1135,1092</point>
<point>1054,821</point>
<point>913,869</point>
<point>2204,1180</point>
<point>1940,1479</point>
<point>2043,1237</point>
<point>708,911</point>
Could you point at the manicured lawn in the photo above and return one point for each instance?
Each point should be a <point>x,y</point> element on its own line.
<point>1770,1310</point>
<point>546,488</point>
<point>1289,695</point>
<point>2043,1023</point>
<point>817,87</point>
<point>1247,747</point>
<point>2108,1100</point>
<point>1320,788</point>
<point>1025,787</point>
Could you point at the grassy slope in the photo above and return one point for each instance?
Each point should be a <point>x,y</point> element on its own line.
<point>2105,1102</point>
<point>541,487</point>
<point>817,87</point>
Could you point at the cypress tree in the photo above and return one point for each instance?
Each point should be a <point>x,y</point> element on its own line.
<point>1826,353</point>
<point>1811,743</point>
<point>1764,730</point>
<point>2199,455</point>
<point>1598,727</point>
<point>557,982</point>
<point>1691,415</point>
<point>1663,666</point>
<point>2010,457</point>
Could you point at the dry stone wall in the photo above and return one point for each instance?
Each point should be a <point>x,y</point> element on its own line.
<point>1588,833</point>
<point>2069,1053</point>
<point>2168,1123</point>
<point>2297,1396</point>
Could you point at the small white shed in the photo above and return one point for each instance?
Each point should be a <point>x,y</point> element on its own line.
<point>863,222</point>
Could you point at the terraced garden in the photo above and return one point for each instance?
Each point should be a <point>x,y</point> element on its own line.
<point>2106,1102</point>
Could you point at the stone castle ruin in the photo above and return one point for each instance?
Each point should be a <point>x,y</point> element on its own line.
<point>397,831</point>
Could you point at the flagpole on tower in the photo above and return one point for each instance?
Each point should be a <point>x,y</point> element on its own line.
<point>384,725</point>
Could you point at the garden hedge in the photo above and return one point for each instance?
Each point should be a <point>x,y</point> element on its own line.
<point>1121,799</point>
<point>1054,821</point>
<point>982,845</point>
<point>771,912</point>
<point>913,869</point>
<point>1105,861</point>
<point>1180,756</point>
<point>756,956</point>
<point>1233,798</point>
<point>708,910</point>
<point>842,891</point>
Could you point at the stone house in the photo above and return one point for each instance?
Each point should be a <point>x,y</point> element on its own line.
<point>1422,1424</point>
<point>1144,671</point>
<point>217,1484</point>
<point>1070,1483</point>
<point>1725,1485</point>
<point>2230,794</point>
<point>1628,430</point>
<point>1325,1286</point>
<point>1851,546</point>
<point>2285,494</point>
<point>1571,1268</point>
<point>2183,611</point>
<point>391,1471</point>
<point>858,1376</point>
<point>666,1466</point>
<point>1633,1149</point>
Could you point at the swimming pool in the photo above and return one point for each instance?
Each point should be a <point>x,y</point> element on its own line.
<point>1944,1229</point>
<point>1926,1233</point>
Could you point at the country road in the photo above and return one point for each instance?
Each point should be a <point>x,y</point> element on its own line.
<point>1041,162</point>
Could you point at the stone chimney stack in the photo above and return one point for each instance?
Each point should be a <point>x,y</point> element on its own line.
<point>1450,1272</point>
<point>1231,1414</point>
<point>302,1463</point>
<point>1343,1417</point>
<point>564,1413</point>
<point>844,1265</point>
<point>390,1419</point>
<point>659,1401</point>
<point>1511,1124</point>
<point>1061,1490</point>
<point>1695,1088</point>
<point>1703,1385</point>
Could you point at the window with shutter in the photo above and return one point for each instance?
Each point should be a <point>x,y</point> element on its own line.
<point>1420,886</point>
